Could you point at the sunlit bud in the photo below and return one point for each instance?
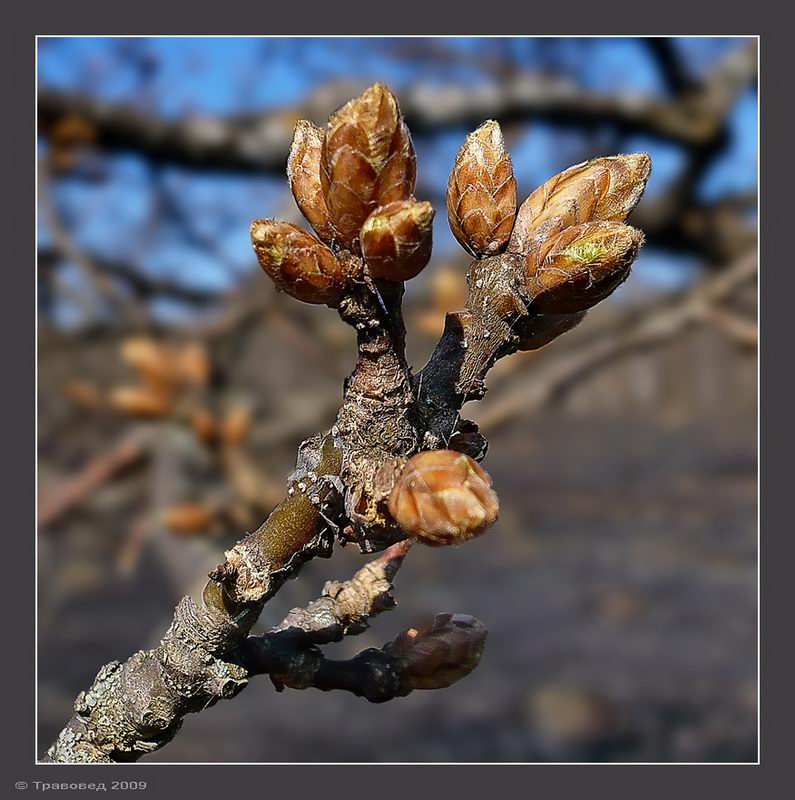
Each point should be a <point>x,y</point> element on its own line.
<point>481,192</point>
<point>397,239</point>
<point>303,173</point>
<point>367,160</point>
<point>298,263</point>
<point>140,401</point>
<point>443,497</point>
<point>440,654</point>
<point>581,266</point>
<point>601,190</point>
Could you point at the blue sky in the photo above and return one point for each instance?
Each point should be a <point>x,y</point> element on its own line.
<point>121,214</point>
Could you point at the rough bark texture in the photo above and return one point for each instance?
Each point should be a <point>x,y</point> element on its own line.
<point>341,484</point>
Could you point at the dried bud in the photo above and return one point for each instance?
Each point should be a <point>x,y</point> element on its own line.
<point>367,161</point>
<point>581,266</point>
<point>83,394</point>
<point>236,426</point>
<point>298,263</point>
<point>397,238</point>
<point>536,330</point>
<point>150,360</point>
<point>192,363</point>
<point>440,654</point>
<point>140,401</point>
<point>601,190</point>
<point>481,192</point>
<point>303,173</point>
<point>189,517</point>
<point>204,425</point>
<point>443,497</point>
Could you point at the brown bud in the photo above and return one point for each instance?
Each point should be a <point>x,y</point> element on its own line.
<point>83,394</point>
<point>443,497</point>
<point>204,425</point>
<point>481,192</point>
<point>299,263</point>
<point>236,426</point>
<point>189,517</point>
<point>397,239</point>
<point>436,656</point>
<point>367,160</point>
<point>150,360</point>
<point>604,189</point>
<point>536,330</point>
<point>140,401</point>
<point>581,266</point>
<point>303,173</point>
<point>192,364</point>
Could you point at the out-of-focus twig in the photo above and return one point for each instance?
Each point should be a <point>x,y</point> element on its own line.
<point>95,277</point>
<point>259,142</point>
<point>654,327</point>
<point>128,451</point>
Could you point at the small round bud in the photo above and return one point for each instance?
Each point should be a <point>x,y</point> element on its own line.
<point>581,266</point>
<point>438,655</point>
<point>298,263</point>
<point>367,160</point>
<point>481,192</point>
<point>303,173</point>
<point>443,497</point>
<point>601,190</point>
<point>397,239</point>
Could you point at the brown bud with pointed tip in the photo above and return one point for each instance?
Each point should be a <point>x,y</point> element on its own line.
<point>581,266</point>
<point>438,655</point>
<point>303,173</point>
<point>443,497</point>
<point>367,160</point>
<point>397,239</point>
<point>299,263</point>
<point>481,192</point>
<point>601,190</point>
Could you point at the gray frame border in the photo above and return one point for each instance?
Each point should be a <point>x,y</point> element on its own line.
<point>776,286</point>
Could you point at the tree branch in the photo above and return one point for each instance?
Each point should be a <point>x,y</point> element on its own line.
<point>260,142</point>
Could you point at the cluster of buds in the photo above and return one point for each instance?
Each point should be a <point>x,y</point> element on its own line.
<point>164,373</point>
<point>568,236</point>
<point>354,182</point>
<point>443,497</point>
